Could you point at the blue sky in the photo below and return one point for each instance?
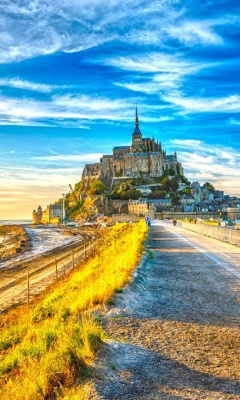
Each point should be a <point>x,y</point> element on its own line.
<point>71,73</point>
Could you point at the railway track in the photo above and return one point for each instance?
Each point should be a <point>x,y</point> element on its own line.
<point>20,281</point>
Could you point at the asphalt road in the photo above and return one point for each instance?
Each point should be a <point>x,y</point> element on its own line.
<point>174,331</point>
<point>225,255</point>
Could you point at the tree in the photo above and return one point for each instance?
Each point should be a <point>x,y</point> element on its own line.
<point>186,191</point>
<point>174,184</point>
<point>161,194</point>
<point>166,183</point>
<point>97,187</point>
<point>175,201</point>
<point>78,186</point>
<point>132,194</point>
<point>209,186</point>
<point>183,179</point>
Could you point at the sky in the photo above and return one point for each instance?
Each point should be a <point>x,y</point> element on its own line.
<point>71,73</point>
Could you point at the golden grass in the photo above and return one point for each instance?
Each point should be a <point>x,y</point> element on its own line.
<point>46,350</point>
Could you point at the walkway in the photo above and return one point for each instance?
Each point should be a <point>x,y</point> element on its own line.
<point>174,331</point>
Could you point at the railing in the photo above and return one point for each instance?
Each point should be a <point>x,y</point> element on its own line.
<point>227,235</point>
<point>35,276</point>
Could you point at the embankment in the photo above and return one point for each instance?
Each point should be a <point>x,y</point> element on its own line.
<point>14,240</point>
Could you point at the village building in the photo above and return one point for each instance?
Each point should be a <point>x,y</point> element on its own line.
<point>52,215</point>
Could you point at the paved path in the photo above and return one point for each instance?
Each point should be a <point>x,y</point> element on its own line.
<point>224,254</point>
<point>174,331</point>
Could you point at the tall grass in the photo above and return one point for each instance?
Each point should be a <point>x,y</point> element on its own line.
<point>48,349</point>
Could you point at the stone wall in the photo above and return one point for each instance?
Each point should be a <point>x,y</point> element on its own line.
<point>183,215</point>
<point>125,218</point>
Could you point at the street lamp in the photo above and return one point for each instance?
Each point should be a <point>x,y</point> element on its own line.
<point>63,210</point>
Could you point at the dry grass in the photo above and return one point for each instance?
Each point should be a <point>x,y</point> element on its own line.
<point>47,349</point>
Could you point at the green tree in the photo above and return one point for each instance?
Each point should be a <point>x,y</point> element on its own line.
<point>186,191</point>
<point>97,187</point>
<point>209,186</point>
<point>161,194</point>
<point>183,179</point>
<point>175,200</point>
<point>166,184</point>
<point>132,194</point>
<point>174,184</point>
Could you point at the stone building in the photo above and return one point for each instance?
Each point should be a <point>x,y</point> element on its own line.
<point>37,216</point>
<point>52,215</point>
<point>144,157</point>
<point>91,172</point>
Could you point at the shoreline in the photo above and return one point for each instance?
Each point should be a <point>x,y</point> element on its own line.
<point>13,241</point>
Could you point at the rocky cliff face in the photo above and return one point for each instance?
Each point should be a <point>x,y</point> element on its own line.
<point>14,240</point>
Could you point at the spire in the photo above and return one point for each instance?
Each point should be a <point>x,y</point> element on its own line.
<point>136,117</point>
<point>137,129</point>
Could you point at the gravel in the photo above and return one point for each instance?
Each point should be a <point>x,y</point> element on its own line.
<point>174,331</point>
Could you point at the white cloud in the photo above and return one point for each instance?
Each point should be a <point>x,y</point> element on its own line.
<point>205,104</point>
<point>205,162</point>
<point>154,85</point>
<point>234,121</point>
<point>159,73</point>
<point>84,158</point>
<point>194,32</point>
<point>61,108</point>
<point>154,63</point>
<point>40,27</point>
<point>21,84</point>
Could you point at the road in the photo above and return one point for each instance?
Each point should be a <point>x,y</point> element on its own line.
<point>225,255</point>
<point>174,331</point>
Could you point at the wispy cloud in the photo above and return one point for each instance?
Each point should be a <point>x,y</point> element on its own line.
<point>66,110</point>
<point>234,121</point>
<point>194,32</point>
<point>155,62</point>
<point>218,105</point>
<point>32,28</point>
<point>85,158</point>
<point>215,163</point>
<point>21,84</point>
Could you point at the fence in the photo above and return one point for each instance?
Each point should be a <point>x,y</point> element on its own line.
<point>36,275</point>
<point>225,234</point>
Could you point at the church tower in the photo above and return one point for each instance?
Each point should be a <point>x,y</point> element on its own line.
<point>137,143</point>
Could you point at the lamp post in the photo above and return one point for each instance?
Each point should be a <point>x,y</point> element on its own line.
<point>63,209</point>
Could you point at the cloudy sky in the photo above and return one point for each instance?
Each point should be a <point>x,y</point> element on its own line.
<point>71,73</point>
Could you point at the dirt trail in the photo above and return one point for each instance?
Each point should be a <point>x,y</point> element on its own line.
<point>174,331</point>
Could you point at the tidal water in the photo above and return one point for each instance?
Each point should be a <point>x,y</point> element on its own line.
<point>15,221</point>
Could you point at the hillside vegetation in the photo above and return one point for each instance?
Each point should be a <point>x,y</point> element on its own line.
<point>47,350</point>
<point>84,203</point>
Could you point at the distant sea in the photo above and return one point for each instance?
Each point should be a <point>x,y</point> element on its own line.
<point>15,221</point>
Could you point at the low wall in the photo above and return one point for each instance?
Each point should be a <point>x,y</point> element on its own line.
<point>125,218</point>
<point>183,215</point>
<point>227,235</point>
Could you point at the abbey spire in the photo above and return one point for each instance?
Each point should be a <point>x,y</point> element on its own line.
<point>136,133</point>
<point>136,117</point>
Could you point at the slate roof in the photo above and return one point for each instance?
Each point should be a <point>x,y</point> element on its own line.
<point>121,148</point>
<point>137,131</point>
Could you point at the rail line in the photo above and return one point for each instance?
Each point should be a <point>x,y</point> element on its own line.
<point>24,279</point>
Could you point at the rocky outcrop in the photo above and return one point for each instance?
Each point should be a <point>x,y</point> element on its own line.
<point>14,240</point>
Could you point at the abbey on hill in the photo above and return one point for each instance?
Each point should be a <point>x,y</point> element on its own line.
<point>145,157</point>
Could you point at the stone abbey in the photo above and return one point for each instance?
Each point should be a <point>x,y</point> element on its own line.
<point>144,157</point>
